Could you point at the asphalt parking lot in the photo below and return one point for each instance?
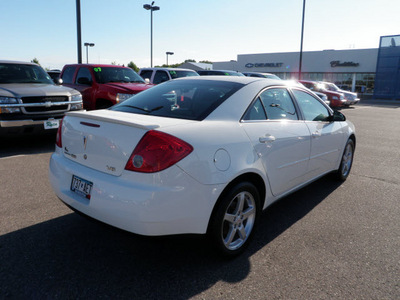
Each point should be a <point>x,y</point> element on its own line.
<point>327,241</point>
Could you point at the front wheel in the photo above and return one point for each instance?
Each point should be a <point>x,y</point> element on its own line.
<point>234,220</point>
<point>347,161</point>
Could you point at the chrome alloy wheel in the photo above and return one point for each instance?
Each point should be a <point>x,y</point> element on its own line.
<point>239,220</point>
<point>347,160</point>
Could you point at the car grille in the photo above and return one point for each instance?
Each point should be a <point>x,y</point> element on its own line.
<point>50,108</point>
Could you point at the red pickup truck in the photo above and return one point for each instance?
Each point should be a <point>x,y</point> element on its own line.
<point>102,86</point>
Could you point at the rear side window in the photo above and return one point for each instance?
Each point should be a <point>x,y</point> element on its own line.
<point>278,104</point>
<point>183,99</point>
<point>68,74</point>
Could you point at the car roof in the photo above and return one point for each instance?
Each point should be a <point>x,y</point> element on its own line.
<point>239,79</point>
<point>97,65</point>
<point>17,62</point>
<point>168,69</point>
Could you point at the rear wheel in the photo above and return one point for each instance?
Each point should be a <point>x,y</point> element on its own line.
<point>235,218</point>
<point>347,161</point>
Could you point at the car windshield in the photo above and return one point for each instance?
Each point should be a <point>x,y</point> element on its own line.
<point>182,99</point>
<point>332,87</point>
<point>271,76</point>
<point>177,74</point>
<point>23,73</point>
<point>115,74</point>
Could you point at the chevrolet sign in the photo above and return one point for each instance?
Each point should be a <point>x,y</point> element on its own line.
<point>264,65</point>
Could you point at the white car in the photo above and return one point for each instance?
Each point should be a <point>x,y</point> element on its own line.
<point>198,155</point>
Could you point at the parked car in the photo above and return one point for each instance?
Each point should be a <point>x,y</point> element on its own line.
<point>102,86</point>
<point>350,97</point>
<point>55,75</point>
<point>198,155</point>
<point>219,72</point>
<point>160,75</point>
<point>258,74</point>
<point>336,99</point>
<point>29,99</point>
<point>322,96</point>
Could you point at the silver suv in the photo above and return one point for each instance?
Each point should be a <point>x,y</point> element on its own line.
<point>159,75</point>
<point>29,99</point>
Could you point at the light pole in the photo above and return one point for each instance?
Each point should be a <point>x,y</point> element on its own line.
<point>301,43</point>
<point>87,45</point>
<point>169,53</point>
<point>152,8</point>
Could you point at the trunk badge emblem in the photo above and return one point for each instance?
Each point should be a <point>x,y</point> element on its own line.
<point>84,142</point>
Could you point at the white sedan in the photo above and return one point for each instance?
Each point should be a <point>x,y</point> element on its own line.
<point>200,155</point>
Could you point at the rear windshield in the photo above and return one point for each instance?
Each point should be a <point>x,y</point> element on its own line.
<point>182,99</point>
<point>177,74</point>
<point>114,74</point>
<point>23,73</point>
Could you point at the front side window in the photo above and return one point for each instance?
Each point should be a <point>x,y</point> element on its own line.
<point>68,74</point>
<point>313,109</point>
<point>84,73</point>
<point>278,104</point>
<point>187,99</point>
<point>160,76</point>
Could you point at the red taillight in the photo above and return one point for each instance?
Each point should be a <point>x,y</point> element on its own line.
<point>157,151</point>
<point>58,136</point>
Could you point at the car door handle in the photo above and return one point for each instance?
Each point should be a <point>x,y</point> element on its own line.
<point>266,139</point>
<point>316,134</point>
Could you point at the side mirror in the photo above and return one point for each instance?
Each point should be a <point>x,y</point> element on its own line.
<point>84,80</point>
<point>338,116</point>
<point>58,81</point>
<point>147,80</point>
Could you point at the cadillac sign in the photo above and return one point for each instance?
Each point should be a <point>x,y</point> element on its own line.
<point>337,63</point>
<point>264,65</point>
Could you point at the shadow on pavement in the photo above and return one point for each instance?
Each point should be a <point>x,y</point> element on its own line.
<point>71,257</point>
<point>27,144</point>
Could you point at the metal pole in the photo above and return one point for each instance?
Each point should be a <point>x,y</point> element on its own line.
<point>167,59</point>
<point>78,28</point>
<point>151,37</point>
<point>301,43</point>
<point>87,54</point>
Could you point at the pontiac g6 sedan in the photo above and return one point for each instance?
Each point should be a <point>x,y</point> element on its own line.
<point>200,155</point>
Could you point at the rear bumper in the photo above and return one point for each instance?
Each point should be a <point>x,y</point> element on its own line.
<point>352,102</point>
<point>168,202</point>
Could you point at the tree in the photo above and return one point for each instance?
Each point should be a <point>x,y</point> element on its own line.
<point>36,61</point>
<point>205,62</point>
<point>133,66</point>
<point>189,60</point>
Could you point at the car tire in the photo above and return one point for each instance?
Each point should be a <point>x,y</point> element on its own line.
<point>346,162</point>
<point>234,219</point>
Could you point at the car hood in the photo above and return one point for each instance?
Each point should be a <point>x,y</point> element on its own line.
<point>34,89</point>
<point>128,87</point>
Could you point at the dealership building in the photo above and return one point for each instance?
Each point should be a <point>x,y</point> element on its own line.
<point>367,71</point>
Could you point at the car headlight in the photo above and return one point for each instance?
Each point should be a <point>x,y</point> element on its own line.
<point>76,106</point>
<point>76,97</point>
<point>8,100</point>
<point>9,110</point>
<point>122,97</point>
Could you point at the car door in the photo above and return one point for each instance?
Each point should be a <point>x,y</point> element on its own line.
<point>326,136</point>
<point>84,84</point>
<point>280,139</point>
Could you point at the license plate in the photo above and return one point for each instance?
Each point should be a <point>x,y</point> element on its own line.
<point>81,186</point>
<point>51,124</point>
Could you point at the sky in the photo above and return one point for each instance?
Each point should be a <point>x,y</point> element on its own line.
<point>213,30</point>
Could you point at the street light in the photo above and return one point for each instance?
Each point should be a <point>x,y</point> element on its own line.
<point>301,42</point>
<point>87,45</point>
<point>152,8</point>
<point>169,53</point>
